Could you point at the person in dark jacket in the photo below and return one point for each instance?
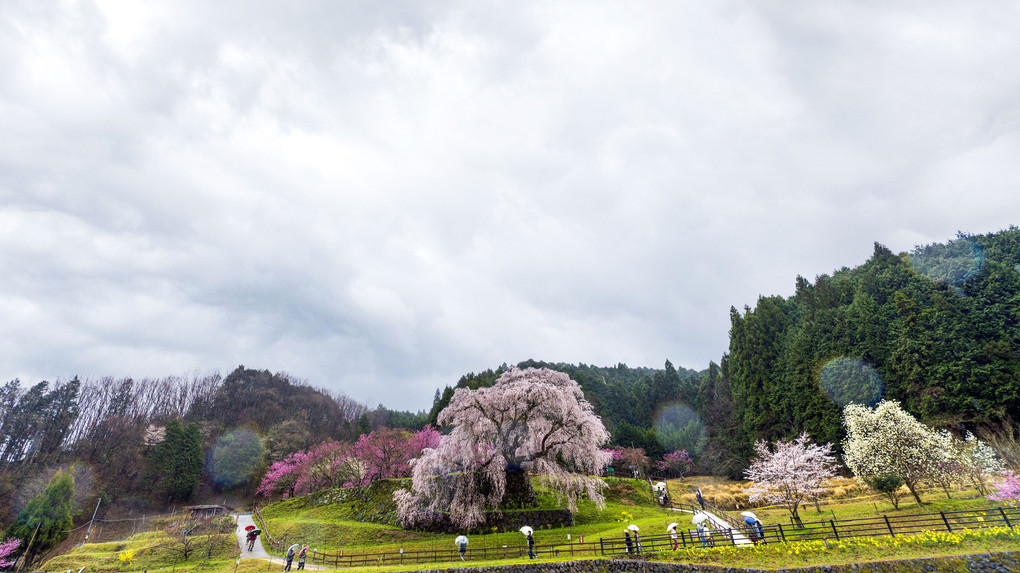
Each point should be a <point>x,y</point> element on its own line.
<point>290,557</point>
<point>531,546</point>
<point>627,541</point>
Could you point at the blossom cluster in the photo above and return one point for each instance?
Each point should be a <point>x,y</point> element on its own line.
<point>383,453</point>
<point>7,548</point>
<point>1007,489</point>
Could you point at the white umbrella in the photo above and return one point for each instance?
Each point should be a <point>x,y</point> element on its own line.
<point>461,540</point>
<point>748,514</point>
<point>632,527</point>
<point>526,530</point>
<point>660,485</point>
<point>699,517</point>
<point>672,526</point>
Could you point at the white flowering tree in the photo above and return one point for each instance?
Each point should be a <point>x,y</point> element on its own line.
<point>791,473</point>
<point>888,440</point>
<point>979,461</point>
<point>529,421</point>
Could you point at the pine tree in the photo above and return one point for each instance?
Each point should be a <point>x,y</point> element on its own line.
<point>49,513</point>
<point>363,426</point>
<point>177,462</point>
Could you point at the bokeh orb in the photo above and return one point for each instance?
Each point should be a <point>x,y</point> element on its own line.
<point>847,380</point>
<point>236,457</point>
<point>951,264</point>
<point>679,427</point>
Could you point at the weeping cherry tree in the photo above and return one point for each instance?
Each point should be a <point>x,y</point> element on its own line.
<point>533,420</point>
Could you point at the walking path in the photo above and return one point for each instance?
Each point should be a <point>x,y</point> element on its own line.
<point>244,520</point>
<point>719,526</point>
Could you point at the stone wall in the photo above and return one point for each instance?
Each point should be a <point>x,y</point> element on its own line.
<point>1005,562</point>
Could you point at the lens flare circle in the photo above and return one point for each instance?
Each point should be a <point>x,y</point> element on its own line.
<point>236,457</point>
<point>951,264</point>
<point>679,427</point>
<point>848,380</point>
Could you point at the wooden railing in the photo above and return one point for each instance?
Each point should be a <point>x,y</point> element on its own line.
<point>832,529</point>
<point>739,534</point>
<point>360,558</point>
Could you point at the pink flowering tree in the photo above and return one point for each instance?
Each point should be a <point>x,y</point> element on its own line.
<point>387,452</point>
<point>7,548</point>
<point>629,460</point>
<point>1007,490</point>
<point>529,421</point>
<point>328,464</point>
<point>281,477</point>
<point>793,472</point>
<point>384,453</point>
<point>676,463</point>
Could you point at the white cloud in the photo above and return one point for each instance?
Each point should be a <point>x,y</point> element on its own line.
<point>382,197</point>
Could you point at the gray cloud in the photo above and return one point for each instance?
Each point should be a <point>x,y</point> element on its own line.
<point>382,197</point>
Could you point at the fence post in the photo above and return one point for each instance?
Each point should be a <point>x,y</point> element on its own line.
<point>602,547</point>
<point>781,534</point>
<point>834,530</point>
<point>889,525</point>
<point>683,537</point>
<point>1003,512</point>
<point>949,528</point>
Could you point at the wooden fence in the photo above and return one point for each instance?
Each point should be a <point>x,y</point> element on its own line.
<point>832,529</point>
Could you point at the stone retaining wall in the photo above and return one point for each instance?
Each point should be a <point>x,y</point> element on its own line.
<point>1005,562</point>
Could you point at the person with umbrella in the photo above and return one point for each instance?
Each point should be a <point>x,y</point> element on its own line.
<point>291,551</point>
<point>251,537</point>
<point>627,541</point>
<point>637,540</point>
<point>301,558</point>
<point>527,531</point>
<point>754,526</point>
<point>671,529</point>
<point>703,532</point>
<point>461,542</point>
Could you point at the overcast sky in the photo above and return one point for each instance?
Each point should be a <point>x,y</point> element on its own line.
<point>380,197</point>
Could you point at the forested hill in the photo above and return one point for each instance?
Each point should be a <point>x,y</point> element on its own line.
<point>937,329</point>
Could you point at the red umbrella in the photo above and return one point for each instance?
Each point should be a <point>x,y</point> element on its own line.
<point>249,527</point>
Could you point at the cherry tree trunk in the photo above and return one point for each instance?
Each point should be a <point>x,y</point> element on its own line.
<point>519,493</point>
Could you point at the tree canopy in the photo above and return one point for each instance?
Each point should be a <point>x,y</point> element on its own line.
<point>530,420</point>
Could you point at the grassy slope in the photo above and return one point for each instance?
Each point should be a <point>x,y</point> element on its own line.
<point>144,551</point>
<point>330,528</point>
<point>342,526</point>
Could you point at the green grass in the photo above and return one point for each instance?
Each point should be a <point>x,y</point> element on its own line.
<point>856,550</point>
<point>358,522</point>
<point>329,529</point>
<point>146,551</point>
